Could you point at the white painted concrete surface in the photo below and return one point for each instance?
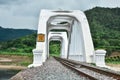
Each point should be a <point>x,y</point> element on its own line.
<point>76,42</point>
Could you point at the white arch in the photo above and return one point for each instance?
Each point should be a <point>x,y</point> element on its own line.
<point>80,34</point>
<point>60,36</point>
<point>81,18</point>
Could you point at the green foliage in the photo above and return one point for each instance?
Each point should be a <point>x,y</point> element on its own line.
<point>54,48</point>
<point>113,60</point>
<point>105,28</point>
<point>23,45</point>
<point>16,53</point>
<point>24,63</point>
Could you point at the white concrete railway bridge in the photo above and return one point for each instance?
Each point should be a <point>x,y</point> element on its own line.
<point>76,42</point>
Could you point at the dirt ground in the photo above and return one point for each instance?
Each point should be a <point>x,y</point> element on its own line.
<point>115,54</point>
<point>14,62</point>
<point>114,65</point>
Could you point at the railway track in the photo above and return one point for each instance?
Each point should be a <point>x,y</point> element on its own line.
<point>92,72</point>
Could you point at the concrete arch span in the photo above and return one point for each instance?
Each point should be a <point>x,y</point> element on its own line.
<point>62,37</point>
<point>77,39</point>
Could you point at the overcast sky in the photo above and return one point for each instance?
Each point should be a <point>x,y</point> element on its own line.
<point>25,13</point>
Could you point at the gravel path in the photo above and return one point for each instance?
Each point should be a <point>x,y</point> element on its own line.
<point>51,70</point>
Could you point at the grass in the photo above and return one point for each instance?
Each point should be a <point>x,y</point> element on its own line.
<point>25,61</point>
<point>93,64</point>
<point>114,62</point>
<point>15,53</point>
<point>57,55</point>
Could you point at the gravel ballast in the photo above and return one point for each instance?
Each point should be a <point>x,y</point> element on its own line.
<point>51,70</point>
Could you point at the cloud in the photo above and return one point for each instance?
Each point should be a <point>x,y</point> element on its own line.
<point>25,13</point>
<point>9,20</point>
<point>8,2</point>
<point>110,3</point>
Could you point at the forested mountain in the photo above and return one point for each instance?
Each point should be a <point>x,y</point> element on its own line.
<point>20,45</point>
<point>105,27</point>
<point>9,34</point>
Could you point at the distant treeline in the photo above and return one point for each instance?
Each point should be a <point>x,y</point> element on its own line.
<point>10,34</point>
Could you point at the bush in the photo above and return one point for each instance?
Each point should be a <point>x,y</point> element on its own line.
<point>114,60</point>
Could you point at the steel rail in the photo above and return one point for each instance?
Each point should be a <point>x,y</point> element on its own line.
<point>71,66</point>
<point>76,65</point>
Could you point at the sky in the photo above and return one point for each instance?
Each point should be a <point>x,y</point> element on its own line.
<point>24,14</point>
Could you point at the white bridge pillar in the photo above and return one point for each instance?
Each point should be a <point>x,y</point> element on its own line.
<point>100,58</point>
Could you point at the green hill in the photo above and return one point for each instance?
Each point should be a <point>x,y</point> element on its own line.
<point>21,45</point>
<point>9,33</point>
<point>105,27</point>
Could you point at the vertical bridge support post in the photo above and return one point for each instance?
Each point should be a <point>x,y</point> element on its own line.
<point>37,58</point>
<point>100,58</point>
